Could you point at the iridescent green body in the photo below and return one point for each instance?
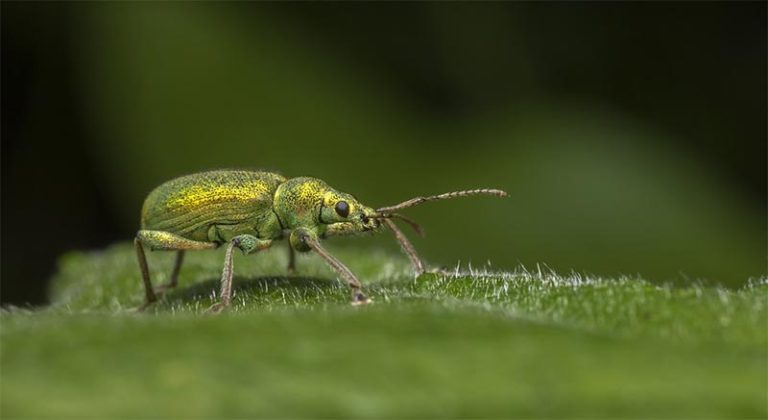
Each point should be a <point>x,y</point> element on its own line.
<point>217,206</point>
<point>214,206</point>
<point>249,210</point>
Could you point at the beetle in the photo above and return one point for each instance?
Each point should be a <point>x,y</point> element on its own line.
<point>249,210</point>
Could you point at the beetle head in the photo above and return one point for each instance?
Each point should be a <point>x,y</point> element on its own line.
<point>340,207</point>
<point>311,203</point>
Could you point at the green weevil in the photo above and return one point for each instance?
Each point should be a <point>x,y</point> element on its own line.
<point>249,210</point>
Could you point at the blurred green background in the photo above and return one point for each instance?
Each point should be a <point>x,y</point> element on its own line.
<point>631,136</point>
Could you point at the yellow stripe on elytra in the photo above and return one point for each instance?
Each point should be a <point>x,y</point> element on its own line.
<point>196,195</point>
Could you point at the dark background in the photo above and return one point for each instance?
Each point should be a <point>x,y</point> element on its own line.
<point>631,136</point>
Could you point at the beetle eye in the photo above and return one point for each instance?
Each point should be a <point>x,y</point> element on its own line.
<point>342,208</point>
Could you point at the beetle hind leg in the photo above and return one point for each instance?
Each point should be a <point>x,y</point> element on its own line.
<point>158,240</point>
<point>141,256</point>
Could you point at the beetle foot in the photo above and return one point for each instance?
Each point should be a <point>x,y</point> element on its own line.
<point>141,308</point>
<point>216,308</point>
<point>359,299</point>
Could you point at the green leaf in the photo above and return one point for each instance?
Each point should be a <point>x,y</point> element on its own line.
<point>477,344</point>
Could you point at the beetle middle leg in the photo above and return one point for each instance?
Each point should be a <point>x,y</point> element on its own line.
<point>158,240</point>
<point>248,244</point>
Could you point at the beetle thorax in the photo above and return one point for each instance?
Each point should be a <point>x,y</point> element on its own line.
<point>298,201</point>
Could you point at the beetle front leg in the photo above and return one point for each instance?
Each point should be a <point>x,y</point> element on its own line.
<point>249,244</point>
<point>309,240</point>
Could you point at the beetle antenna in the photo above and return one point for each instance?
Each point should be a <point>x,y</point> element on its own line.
<point>455,194</point>
<point>412,223</point>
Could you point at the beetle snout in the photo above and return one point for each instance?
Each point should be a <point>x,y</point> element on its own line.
<point>369,222</point>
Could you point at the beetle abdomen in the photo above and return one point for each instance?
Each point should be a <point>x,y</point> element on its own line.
<point>188,205</point>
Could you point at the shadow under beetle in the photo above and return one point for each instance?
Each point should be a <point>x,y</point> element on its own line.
<point>249,210</point>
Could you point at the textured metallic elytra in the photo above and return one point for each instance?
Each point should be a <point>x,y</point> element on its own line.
<point>249,210</point>
<point>188,206</point>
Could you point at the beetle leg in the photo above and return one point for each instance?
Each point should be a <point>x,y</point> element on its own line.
<point>174,280</point>
<point>246,243</point>
<point>226,282</point>
<point>176,268</point>
<point>159,240</point>
<point>358,298</point>
<point>150,294</point>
